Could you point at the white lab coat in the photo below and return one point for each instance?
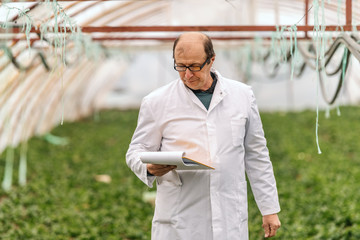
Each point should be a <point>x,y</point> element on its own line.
<point>205,204</point>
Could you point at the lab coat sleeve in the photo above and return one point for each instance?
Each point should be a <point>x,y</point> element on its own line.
<point>147,137</point>
<point>258,165</point>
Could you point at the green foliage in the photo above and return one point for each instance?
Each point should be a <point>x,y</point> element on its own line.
<point>62,200</point>
<point>318,193</point>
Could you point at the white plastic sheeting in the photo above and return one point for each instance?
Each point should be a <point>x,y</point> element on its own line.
<point>34,104</point>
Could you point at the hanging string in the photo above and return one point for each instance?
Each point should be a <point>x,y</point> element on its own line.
<point>293,50</point>
<point>62,96</point>
<point>317,40</point>
<point>339,4</point>
<point>55,140</point>
<point>9,165</point>
<point>247,55</point>
<point>327,112</point>
<point>27,24</point>
<point>258,49</point>
<point>23,163</point>
<point>343,72</point>
<point>283,44</point>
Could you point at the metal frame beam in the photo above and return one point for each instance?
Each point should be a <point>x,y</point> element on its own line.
<point>73,0</point>
<point>164,39</point>
<point>16,28</point>
<point>239,28</point>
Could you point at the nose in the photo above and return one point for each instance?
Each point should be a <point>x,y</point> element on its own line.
<point>188,74</point>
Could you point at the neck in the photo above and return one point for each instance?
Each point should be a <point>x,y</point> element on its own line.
<point>209,89</point>
<point>208,83</point>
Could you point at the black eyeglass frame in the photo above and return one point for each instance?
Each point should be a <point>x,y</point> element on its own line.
<point>189,67</point>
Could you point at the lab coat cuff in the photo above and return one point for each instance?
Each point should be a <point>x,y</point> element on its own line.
<point>149,178</point>
<point>269,210</point>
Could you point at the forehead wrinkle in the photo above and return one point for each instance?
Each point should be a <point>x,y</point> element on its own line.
<point>189,52</point>
<point>189,42</point>
<point>179,51</point>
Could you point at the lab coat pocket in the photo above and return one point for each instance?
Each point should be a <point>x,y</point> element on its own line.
<point>238,130</point>
<point>167,197</point>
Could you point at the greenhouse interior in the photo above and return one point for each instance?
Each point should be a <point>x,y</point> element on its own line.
<point>73,76</point>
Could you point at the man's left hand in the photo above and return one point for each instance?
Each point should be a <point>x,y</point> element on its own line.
<point>271,223</point>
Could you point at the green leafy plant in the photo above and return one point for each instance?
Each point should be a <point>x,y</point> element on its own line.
<point>63,200</point>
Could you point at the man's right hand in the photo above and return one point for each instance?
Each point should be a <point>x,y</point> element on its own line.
<point>159,170</point>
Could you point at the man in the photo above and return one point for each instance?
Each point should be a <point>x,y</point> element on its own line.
<point>213,119</point>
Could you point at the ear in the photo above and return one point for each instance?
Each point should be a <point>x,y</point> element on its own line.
<point>212,60</point>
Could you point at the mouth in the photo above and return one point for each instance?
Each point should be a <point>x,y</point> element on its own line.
<point>190,80</point>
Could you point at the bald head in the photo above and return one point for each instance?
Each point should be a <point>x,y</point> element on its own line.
<point>194,38</point>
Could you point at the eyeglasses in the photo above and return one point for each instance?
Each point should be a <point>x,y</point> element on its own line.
<point>191,68</point>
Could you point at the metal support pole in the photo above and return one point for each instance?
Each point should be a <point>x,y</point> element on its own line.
<point>306,16</point>
<point>348,12</point>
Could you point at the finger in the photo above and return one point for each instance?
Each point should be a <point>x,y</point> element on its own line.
<point>162,171</point>
<point>155,167</point>
<point>168,169</point>
<point>273,231</point>
<point>159,166</point>
<point>267,230</point>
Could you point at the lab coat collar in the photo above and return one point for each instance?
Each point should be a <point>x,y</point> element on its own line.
<point>219,92</point>
<point>218,95</point>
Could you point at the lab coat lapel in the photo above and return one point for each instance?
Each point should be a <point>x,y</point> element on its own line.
<point>218,95</point>
<point>193,97</point>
